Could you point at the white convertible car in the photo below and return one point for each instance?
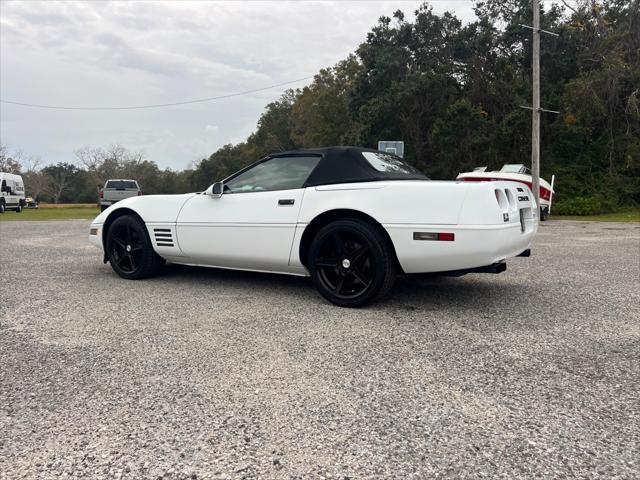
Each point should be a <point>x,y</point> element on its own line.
<point>350,218</point>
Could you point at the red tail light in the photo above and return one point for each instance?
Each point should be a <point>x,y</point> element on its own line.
<point>139,192</point>
<point>446,237</point>
<point>437,236</point>
<point>101,194</point>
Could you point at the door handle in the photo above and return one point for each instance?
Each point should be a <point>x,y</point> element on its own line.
<point>286,201</point>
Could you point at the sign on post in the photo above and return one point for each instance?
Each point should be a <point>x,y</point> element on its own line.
<point>392,146</point>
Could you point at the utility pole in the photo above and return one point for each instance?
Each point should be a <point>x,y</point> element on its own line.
<point>535,113</point>
<point>535,108</point>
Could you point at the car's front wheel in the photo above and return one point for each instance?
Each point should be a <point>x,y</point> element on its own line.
<point>129,249</point>
<point>351,263</point>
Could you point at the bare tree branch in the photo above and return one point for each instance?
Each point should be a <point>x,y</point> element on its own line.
<point>570,7</point>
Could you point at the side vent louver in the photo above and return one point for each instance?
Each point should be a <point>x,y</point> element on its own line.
<point>164,237</point>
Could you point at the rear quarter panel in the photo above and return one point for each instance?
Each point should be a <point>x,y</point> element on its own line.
<point>469,210</point>
<point>389,203</point>
<point>410,201</point>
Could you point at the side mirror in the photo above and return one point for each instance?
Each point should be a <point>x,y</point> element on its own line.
<point>215,190</point>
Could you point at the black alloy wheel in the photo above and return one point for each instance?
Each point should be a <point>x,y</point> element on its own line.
<point>351,263</point>
<point>129,249</point>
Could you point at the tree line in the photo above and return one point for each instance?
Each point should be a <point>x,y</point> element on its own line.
<point>80,181</point>
<point>454,93</point>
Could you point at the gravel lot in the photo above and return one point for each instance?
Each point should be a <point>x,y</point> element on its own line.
<point>216,374</point>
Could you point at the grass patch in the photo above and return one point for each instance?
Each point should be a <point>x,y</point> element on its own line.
<point>626,215</point>
<point>71,213</point>
<point>67,205</point>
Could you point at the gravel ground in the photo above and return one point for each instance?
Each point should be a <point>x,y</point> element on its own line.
<point>216,374</point>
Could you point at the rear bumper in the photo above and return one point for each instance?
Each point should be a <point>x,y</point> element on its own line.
<point>474,246</point>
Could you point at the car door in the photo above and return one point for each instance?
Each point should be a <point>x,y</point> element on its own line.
<point>252,224</point>
<point>3,192</point>
<point>9,194</point>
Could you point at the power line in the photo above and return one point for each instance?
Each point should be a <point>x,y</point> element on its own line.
<point>157,105</point>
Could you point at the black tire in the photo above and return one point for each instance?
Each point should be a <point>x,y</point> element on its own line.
<point>103,208</point>
<point>2,207</point>
<point>19,208</point>
<point>129,249</point>
<point>351,263</point>
<point>544,214</point>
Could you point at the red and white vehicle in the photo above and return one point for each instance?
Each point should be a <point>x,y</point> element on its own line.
<point>514,173</point>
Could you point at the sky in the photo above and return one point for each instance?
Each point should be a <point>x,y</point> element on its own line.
<point>113,54</point>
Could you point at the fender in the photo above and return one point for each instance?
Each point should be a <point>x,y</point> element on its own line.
<point>150,208</point>
<point>158,212</point>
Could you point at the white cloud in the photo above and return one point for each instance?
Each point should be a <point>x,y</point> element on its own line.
<point>116,54</point>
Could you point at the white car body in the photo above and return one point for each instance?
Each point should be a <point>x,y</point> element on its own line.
<point>490,222</point>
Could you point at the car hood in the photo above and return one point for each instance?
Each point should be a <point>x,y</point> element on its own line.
<point>151,208</point>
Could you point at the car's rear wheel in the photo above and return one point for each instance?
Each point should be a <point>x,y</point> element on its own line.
<point>129,249</point>
<point>351,263</point>
<point>19,208</point>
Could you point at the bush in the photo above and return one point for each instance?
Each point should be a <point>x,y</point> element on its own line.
<point>580,206</point>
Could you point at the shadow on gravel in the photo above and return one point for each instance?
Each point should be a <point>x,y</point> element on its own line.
<point>410,291</point>
<point>251,279</point>
<point>460,292</point>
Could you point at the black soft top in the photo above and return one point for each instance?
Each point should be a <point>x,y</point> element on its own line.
<point>347,164</point>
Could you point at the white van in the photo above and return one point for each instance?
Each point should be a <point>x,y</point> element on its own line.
<point>11,192</point>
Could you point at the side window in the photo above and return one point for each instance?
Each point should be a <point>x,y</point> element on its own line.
<point>280,173</point>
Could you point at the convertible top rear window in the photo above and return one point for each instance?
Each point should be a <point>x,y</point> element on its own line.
<point>386,162</point>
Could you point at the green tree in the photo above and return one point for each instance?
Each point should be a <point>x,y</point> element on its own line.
<point>320,115</point>
<point>61,179</point>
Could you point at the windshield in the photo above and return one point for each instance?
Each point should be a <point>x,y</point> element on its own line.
<point>514,168</point>
<point>387,162</point>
